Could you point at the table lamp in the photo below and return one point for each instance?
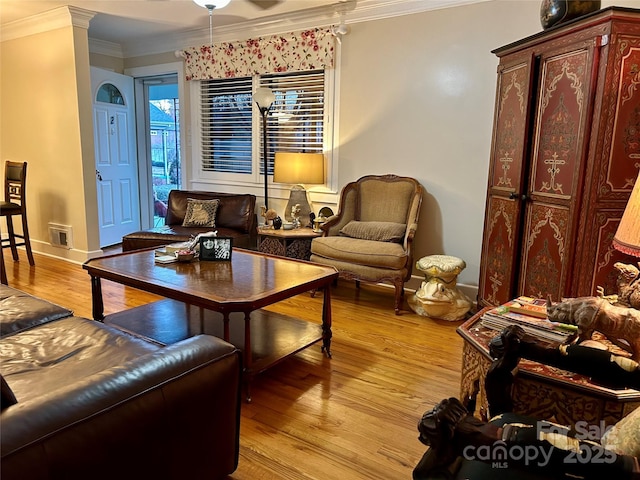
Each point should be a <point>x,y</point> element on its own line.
<point>298,169</point>
<point>627,237</point>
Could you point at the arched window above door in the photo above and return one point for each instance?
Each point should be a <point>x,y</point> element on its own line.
<point>109,93</point>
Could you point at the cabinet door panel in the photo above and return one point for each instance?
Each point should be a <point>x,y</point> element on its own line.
<point>545,251</point>
<point>621,112</point>
<point>597,260</point>
<point>506,177</point>
<point>510,127</point>
<point>560,123</point>
<point>498,271</point>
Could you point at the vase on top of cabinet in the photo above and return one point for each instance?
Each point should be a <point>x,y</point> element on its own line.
<point>564,157</point>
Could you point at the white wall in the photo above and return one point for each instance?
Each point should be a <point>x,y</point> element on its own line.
<point>417,99</point>
<point>46,120</point>
<point>417,96</point>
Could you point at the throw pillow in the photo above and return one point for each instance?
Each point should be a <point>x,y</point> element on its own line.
<point>7,398</point>
<point>624,437</point>
<point>378,231</point>
<point>201,213</point>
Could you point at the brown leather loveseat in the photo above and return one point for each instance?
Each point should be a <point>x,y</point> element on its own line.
<point>235,217</point>
<point>81,399</point>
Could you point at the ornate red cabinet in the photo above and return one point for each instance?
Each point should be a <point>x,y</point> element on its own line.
<point>565,154</point>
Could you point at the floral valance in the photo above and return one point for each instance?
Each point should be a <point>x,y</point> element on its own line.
<point>299,51</point>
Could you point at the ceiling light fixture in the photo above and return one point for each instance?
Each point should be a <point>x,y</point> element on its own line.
<point>210,5</point>
<point>341,8</point>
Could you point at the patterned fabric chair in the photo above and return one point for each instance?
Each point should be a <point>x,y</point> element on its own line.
<point>371,237</point>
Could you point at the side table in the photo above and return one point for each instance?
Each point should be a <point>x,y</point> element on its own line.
<point>294,243</point>
<point>541,391</point>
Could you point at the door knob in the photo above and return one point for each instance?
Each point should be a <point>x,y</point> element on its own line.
<point>98,176</point>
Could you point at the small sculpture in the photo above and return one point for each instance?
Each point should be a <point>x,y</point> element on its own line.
<point>621,325</point>
<point>268,215</point>
<point>628,284</point>
<point>438,296</point>
<point>295,215</point>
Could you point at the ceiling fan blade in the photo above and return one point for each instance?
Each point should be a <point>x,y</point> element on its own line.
<point>265,4</point>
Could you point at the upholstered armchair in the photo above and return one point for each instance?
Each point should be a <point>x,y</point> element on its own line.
<point>370,239</point>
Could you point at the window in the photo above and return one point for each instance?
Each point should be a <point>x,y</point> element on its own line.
<point>231,128</point>
<point>109,93</point>
<point>227,125</point>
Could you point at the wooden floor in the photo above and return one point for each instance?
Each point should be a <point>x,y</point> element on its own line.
<point>350,417</point>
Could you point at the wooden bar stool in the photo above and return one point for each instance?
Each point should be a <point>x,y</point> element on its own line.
<point>15,204</point>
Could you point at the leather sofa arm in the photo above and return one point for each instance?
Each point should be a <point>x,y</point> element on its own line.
<point>172,413</point>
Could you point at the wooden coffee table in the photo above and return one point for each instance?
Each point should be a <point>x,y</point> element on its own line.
<point>222,298</point>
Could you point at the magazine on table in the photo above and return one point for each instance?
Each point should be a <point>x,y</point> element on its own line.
<point>530,314</point>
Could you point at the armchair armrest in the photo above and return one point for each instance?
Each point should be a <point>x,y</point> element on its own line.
<point>347,211</point>
<point>408,237</point>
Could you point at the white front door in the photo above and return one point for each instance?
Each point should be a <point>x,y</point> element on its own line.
<point>115,151</point>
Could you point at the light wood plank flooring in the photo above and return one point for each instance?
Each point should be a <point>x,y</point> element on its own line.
<point>350,417</point>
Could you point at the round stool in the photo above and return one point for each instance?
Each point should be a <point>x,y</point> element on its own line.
<point>439,296</point>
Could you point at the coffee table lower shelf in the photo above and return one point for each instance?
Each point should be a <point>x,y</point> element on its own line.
<point>273,336</point>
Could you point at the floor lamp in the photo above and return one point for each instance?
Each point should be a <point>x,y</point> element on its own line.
<point>264,99</point>
<point>298,169</point>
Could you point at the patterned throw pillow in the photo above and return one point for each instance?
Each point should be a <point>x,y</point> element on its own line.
<point>378,231</point>
<point>201,213</point>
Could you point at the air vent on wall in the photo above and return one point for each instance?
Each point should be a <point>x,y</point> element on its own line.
<point>61,235</point>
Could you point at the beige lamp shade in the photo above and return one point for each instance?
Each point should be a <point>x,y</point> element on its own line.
<point>627,237</point>
<point>304,168</point>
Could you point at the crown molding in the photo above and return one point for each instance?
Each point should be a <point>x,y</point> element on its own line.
<point>364,10</point>
<point>43,22</point>
<point>102,47</point>
<point>356,12</point>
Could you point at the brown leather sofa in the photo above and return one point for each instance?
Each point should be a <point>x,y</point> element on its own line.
<point>235,218</point>
<point>96,402</point>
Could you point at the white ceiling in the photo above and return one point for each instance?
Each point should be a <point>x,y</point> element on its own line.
<point>131,22</point>
<point>123,21</point>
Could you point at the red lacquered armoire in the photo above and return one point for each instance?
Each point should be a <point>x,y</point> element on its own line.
<point>565,155</point>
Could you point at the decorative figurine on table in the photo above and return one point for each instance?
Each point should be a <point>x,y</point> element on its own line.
<point>268,215</point>
<point>628,284</point>
<point>621,325</point>
<point>295,215</point>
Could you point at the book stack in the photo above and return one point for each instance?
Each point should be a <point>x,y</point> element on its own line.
<point>530,314</point>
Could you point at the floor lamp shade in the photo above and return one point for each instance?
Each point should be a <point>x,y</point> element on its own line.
<point>298,169</point>
<point>627,237</point>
